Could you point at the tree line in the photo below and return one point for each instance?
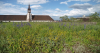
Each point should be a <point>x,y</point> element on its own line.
<point>93,18</point>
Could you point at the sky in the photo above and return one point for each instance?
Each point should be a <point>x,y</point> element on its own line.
<point>54,8</point>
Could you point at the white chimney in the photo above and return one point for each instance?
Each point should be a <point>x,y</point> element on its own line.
<point>83,16</point>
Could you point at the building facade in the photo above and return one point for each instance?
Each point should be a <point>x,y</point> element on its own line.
<point>84,18</point>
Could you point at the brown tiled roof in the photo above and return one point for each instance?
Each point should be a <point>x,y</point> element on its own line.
<point>41,17</point>
<point>12,17</point>
<point>23,17</point>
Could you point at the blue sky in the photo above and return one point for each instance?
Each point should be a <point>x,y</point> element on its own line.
<point>53,8</point>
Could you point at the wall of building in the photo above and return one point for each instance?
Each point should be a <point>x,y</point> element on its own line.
<point>15,21</point>
<point>30,21</point>
<point>41,21</point>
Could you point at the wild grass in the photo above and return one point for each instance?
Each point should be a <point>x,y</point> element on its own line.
<point>52,37</point>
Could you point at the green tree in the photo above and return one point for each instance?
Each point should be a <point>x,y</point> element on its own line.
<point>72,18</point>
<point>64,18</point>
<point>94,17</point>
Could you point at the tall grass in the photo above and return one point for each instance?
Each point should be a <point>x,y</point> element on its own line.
<point>53,37</point>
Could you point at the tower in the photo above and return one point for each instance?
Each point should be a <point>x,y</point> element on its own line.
<point>29,15</point>
<point>29,9</point>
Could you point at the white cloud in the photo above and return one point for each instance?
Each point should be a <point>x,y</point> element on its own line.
<point>36,6</point>
<point>80,12</point>
<point>66,2</point>
<point>25,2</point>
<point>77,12</point>
<point>63,2</point>
<point>97,1</point>
<point>79,0</point>
<point>81,6</point>
<point>96,8</point>
<point>91,10</point>
<point>66,10</point>
<point>49,10</point>
<point>74,12</point>
<point>55,0</point>
<point>57,9</point>
<point>10,9</point>
<point>23,9</point>
<point>56,12</point>
<point>8,4</point>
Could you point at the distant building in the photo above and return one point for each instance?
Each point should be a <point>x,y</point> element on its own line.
<point>26,18</point>
<point>84,18</point>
